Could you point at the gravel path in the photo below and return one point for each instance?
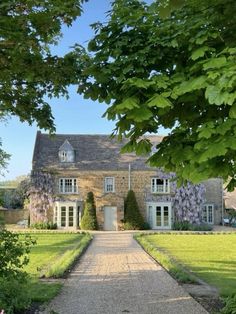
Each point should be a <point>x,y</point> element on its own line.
<point>116,276</point>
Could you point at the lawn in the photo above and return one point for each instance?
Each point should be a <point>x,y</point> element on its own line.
<point>53,254</point>
<point>212,257</point>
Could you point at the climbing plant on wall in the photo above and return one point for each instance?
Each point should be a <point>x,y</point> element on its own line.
<point>41,195</point>
<point>188,202</point>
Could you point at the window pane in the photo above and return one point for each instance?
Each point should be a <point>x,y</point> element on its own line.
<point>166,216</point>
<point>109,184</point>
<point>210,214</point>
<point>55,215</point>
<point>158,216</point>
<point>159,185</point>
<point>78,212</point>
<point>204,214</point>
<point>71,216</point>
<point>63,216</point>
<point>68,185</point>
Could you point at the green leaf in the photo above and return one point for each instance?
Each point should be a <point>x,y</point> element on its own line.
<point>143,147</point>
<point>213,150</point>
<point>200,52</point>
<point>215,63</point>
<point>191,85</point>
<point>129,104</point>
<point>205,133</point>
<point>216,97</point>
<point>232,112</point>
<point>140,114</point>
<point>138,83</point>
<point>159,101</point>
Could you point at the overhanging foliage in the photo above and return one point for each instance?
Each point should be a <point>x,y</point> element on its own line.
<point>177,72</point>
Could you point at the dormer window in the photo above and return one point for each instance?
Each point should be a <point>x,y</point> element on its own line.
<point>66,152</point>
<point>63,156</point>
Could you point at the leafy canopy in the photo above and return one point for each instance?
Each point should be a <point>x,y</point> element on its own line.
<point>29,72</point>
<point>176,72</point>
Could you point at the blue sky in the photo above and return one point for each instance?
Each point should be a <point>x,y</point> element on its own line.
<point>76,115</point>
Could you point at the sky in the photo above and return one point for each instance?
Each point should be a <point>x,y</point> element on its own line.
<point>73,116</point>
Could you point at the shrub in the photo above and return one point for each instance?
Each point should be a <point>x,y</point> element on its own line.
<point>13,280</point>
<point>89,219</point>
<point>44,225</point>
<point>13,254</point>
<point>230,305</point>
<point>181,225</point>
<point>133,220</point>
<point>14,295</point>
<point>2,221</point>
<point>201,227</point>
<point>186,225</point>
<point>16,197</point>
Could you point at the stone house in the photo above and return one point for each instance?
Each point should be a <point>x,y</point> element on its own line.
<point>67,167</point>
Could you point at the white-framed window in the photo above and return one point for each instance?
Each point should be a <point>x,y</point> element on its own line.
<point>109,184</point>
<point>67,214</point>
<point>208,213</point>
<point>68,185</point>
<point>160,185</point>
<point>66,156</point>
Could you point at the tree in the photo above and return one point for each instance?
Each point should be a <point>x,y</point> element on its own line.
<point>4,157</point>
<point>29,72</point>
<point>132,217</point>
<point>89,219</point>
<point>176,72</point>
<point>17,196</point>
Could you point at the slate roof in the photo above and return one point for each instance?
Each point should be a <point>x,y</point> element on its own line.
<point>92,152</point>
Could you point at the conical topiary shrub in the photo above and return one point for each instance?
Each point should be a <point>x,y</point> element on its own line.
<point>132,217</point>
<point>89,219</point>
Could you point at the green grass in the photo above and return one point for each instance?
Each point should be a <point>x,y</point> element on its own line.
<point>212,257</point>
<point>54,253</point>
<point>52,256</point>
<point>43,292</point>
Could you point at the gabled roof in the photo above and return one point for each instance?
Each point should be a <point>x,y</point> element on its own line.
<point>66,146</point>
<point>92,152</point>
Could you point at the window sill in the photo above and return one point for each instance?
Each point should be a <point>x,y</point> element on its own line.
<point>161,193</point>
<point>68,192</point>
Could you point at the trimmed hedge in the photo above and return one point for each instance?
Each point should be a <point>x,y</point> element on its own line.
<point>133,220</point>
<point>187,226</point>
<point>89,219</point>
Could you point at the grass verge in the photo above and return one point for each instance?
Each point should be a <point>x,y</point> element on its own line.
<point>54,253</point>
<point>174,268</point>
<point>211,257</point>
<point>52,257</point>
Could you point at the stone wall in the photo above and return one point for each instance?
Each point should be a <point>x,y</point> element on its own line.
<point>14,215</point>
<point>140,183</point>
<point>214,196</point>
<point>94,181</point>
